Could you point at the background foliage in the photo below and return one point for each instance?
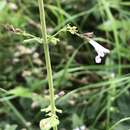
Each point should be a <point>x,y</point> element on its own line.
<point>96,95</point>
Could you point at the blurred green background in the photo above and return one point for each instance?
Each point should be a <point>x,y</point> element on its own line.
<point>96,95</point>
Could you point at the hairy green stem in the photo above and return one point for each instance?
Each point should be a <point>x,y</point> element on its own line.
<point>47,58</point>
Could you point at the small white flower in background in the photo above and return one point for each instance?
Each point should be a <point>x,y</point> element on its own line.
<point>28,124</point>
<point>35,55</point>
<point>13,6</point>
<point>15,60</point>
<point>23,129</point>
<point>34,104</point>
<point>24,50</point>
<point>76,128</point>
<point>36,70</point>
<point>37,61</point>
<point>112,75</point>
<point>26,73</point>
<point>83,127</point>
<point>17,54</point>
<point>101,51</point>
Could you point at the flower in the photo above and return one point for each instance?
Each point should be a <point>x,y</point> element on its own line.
<point>26,73</point>
<point>37,61</point>
<point>72,29</point>
<point>23,50</point>
<point>101,51</point>
<point>13,6</point>
<point>83,127</point>
<point>35,55</point>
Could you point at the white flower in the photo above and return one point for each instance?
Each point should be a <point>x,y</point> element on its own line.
<point>26,73</point>
<point>83,127</point>
<point>36,55</point>
<point>37,61</point>
<point>76,128</point>
<point>23,50</point>
<point>13,6</point>
<point>101,51</point>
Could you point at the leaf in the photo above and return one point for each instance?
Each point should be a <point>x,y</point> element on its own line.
<point>10,127</point>
<point>21,91</point>
<point>107,26</point>
<point>33,40</point>
<point>48,123</point>
<point>77,121</point>
<point>42,101</point>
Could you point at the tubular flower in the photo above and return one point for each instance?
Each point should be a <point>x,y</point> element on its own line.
<point>101,51</point>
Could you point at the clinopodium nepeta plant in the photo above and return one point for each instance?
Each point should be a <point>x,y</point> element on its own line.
<point>52,120</point>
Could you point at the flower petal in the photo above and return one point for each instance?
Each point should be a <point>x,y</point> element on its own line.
<point>101,51</point>
<point>98,59</point>
<point>98,47</point>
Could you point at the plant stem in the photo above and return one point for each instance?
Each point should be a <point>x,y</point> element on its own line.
<point>47,58</point>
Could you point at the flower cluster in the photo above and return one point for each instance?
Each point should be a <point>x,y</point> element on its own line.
<point>73,30</point>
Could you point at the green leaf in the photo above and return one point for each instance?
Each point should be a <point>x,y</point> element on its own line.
<point>77,121</point>
<point>107,26</point>
<point>32,40</point>
<point>48,123</point>
<point>10,127</point>
<point>21,91</point>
